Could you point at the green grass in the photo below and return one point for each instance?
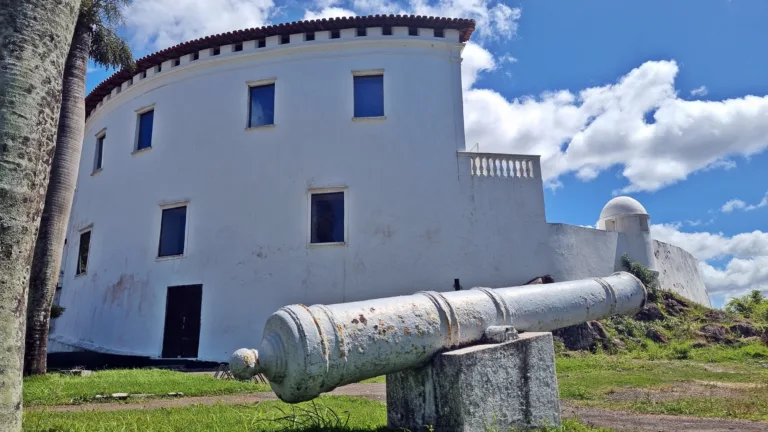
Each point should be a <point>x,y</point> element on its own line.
<point>589,377</point>
<point>381,379</point>
<point>328,413</point>
<point>750,405</point>
<point>57,389</point>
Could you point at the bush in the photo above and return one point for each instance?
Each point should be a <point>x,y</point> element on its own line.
<point>648,277</point>
<point>56,311</point>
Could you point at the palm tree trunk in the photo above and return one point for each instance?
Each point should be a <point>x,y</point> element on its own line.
<point>34,38</point>
<point>46,261</point>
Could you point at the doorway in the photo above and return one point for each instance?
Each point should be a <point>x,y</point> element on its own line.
<point>182,321</point>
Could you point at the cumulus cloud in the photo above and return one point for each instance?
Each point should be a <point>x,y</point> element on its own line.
<point>328,12</point>
<point>158,24</point>
<point>746,254</point>
<point>701,91</point>
<point>737,204</point>
<point>638,123</point>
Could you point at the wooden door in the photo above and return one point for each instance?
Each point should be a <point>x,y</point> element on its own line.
<point>182,321</point>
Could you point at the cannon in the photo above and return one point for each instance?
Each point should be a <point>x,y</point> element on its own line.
<point>306,351</point>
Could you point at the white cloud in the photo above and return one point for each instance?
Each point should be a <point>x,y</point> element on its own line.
<point>495,20</point>
<point>701,91</point>
<point>602,127</point>
<point>737,204</point>
<point>747,255</point>
<point>328,12</point>
<point>158,24</point>
<point>507,58</point>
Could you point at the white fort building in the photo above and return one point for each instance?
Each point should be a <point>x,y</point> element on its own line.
<point>311,162</point>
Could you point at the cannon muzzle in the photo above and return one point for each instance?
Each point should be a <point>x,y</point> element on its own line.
<point>306,351</point>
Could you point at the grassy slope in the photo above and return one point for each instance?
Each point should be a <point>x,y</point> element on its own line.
<point>56,389</point>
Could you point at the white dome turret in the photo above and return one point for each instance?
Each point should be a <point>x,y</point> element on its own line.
<point>624,214</point>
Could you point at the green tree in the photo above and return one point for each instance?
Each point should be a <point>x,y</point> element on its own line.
<point>34,36</point>
<point>753,306</point>
<point>95,38</point>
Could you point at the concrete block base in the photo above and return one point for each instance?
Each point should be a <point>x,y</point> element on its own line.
<point>494,386</point>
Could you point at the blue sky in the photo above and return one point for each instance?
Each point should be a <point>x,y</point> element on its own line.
<point>662,100</point>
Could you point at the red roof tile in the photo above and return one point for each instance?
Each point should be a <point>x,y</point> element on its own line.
<point>464,26</point>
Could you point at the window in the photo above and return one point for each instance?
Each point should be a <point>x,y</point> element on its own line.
<point>215,51</point>
<point>309,36</point>
<point>82,252</point>
<point>261,43</point>
<point>146,120</point>
<point>361,31</point>
<point>413,31</point>
<point>369,96</point>
<point>335,34</point>
<point>99,156</point>
<point>143,74</point>
<point>238,47</point>
<point>439,33</point>
<point>195,55</point>
<point>159,68</point>
<point>173,228</point>
<point>261,110</point>
<point>176,62</point>
<point>610,225</point>
<point>285,39</point>
<point>386,30</point>
<point>327,217</point>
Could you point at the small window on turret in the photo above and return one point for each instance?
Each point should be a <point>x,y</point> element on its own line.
<point>309,36</point>
<point>215,51</point>
<point>413,31</point>
<point>261,43</point>
<point>237,47</point>
<point>439,33</point>
<point>177,62</point>
<point>386,30</point>
<point>285,39</point>
<point>362,31</point>
<point>335,34</point>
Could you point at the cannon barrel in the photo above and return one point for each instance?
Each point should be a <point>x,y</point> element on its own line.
<point>306,351</point>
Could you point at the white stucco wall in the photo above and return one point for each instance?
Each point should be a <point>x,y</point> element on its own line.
<point>417,218</point>
<point>580,253</point>
<point>679,272</point>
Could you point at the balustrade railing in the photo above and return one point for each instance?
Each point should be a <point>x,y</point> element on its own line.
<point>503,165</point>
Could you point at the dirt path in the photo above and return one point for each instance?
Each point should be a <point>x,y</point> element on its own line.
<point>616,420</point>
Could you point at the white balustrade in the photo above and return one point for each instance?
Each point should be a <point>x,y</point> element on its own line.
<point>503,165</point>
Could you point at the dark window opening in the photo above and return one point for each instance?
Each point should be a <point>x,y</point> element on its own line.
<point>143,74</point>
<point>261,43</point>
<point>177,62</point>
<point>146,121</point>
<point>335,34</point>
<point>413,31</point>
<point>439,33</point>
<point>172,231</point>
<point>369,96</point>
<point>327,217</point>
<point>386,30</point>
<point>309,36</point>
<point>238,47</point>
<point>99,152</point>
<point>82,252</point>
<point>158,68</point>
<point>285,39</point>
<point>215,51</point>
<point>195,55</point>
<point>261,110</point>
<point>362,31</point>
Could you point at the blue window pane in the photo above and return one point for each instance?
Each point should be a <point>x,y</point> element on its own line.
<point>100,152</point>
<point>145,129</point>
<point>369,96</point>
<point>262,108</point>
<point>172,231</point>
<point>328,217</point>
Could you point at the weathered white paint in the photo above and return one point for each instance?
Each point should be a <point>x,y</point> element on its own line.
<point>307,351</point>
<point>418,218</point>
<point>679,272</point>
<point>420,211</point>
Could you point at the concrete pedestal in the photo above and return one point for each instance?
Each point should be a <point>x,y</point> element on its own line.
<point>502,386</point>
